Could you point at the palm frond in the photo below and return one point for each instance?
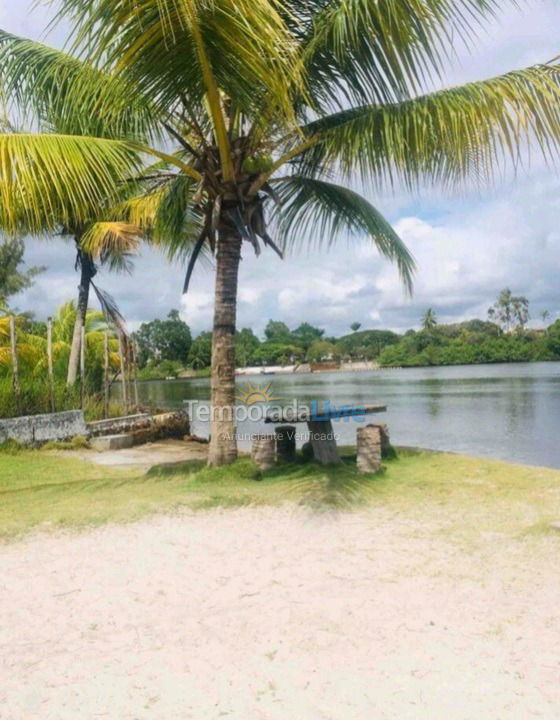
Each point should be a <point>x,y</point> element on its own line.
<point>446,136</point>
<point>160,45</point>
<point>109,310</point>
<point>55,90</point>
<point>52,180</point>
<point>314,208</point>
<point>364,51</point>
<point>167,216</point>
<point>112,243</point>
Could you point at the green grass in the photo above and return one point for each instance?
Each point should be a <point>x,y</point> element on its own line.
<point>464,497</point>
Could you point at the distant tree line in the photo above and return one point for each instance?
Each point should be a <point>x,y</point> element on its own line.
<point>166,347</point>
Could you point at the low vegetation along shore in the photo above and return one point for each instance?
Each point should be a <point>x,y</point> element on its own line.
<point>167,349</point>
<point>48,490</point>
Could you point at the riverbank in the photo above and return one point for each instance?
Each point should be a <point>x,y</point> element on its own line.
<point>427,591</point>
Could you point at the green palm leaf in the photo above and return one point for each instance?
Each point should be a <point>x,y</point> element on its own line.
<point>51,88</point>
<point>163,46</point>
<point>445,136</point>
<point>383,51</point>
<point>314,208</point>
<point>52,180</point>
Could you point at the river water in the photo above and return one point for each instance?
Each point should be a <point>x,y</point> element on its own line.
<point>509,412</point>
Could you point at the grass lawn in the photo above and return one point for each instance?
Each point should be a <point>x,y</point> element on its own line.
<point>47,491</point>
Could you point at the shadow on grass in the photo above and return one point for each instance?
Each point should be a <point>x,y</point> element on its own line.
<point>242,483</point>
<point>167,470</point>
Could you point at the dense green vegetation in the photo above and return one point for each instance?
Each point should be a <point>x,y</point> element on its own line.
<point>503,338</point>
<point>163,340</point>
<point>472,342</point>
<point>31,349</point>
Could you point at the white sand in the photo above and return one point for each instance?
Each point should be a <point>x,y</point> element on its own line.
<point>280,615</point>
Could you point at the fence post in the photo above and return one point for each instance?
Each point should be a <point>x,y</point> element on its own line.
<point>135,373</point>
<point>106,376</point>
<point>15,367</point>
<point>50,363</point>
<point>82,365</point>
<point>122,349</point>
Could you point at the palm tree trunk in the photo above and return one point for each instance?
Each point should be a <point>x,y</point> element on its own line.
<point>87,274</point>
<point>223,441</point>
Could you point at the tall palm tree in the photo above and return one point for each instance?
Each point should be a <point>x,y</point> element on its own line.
<point>429,319</point>
<point>114,243</point>
<point>254,112</point>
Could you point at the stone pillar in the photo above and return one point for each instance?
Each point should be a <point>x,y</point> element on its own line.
<point>263,451</point>
<point>323,440</point>
<point>286,443</point>
<point>369,449</point>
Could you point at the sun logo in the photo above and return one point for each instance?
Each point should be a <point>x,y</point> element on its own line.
<point>253,394</point>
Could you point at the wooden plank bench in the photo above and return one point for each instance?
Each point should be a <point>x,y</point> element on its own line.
<point>321,432</point>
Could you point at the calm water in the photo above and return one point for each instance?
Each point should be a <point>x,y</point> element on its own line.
<point>511,412</point>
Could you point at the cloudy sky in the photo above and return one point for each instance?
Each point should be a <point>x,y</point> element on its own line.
<point>467,246</point>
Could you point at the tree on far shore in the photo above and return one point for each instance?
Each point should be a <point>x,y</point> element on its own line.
<point>509,311</point>
<point>429,319</point>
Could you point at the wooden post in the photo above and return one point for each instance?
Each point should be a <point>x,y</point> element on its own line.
<point>135,373</point>
<point>50,363</point>
<point>106,376</point>
<point>82,365</point>
<point>15,367</point>
<point>123,370</point>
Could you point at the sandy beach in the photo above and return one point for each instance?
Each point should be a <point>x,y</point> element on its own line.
<point>276,613</point>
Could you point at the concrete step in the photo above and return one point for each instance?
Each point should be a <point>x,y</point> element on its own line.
<point>112,442</point>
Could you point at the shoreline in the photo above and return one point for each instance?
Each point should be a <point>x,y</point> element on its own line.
<point>289,370</point>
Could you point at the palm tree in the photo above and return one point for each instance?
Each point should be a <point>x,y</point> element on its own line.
<point>254,112</point>
<point>429,319</point>
<point>32,347</point>
<point>510,310</point>
<point>114,243</point>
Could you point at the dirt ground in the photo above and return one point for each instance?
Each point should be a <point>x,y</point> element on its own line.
<point>279,614</point>
<point>143,457</point>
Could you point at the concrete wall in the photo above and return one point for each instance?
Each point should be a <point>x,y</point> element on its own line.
<point>36,429</point>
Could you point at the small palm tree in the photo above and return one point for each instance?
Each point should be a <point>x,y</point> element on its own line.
<point>429,319</point>
<point>254,113</point>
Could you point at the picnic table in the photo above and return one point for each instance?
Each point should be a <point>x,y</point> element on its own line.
<point>319,422</point>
